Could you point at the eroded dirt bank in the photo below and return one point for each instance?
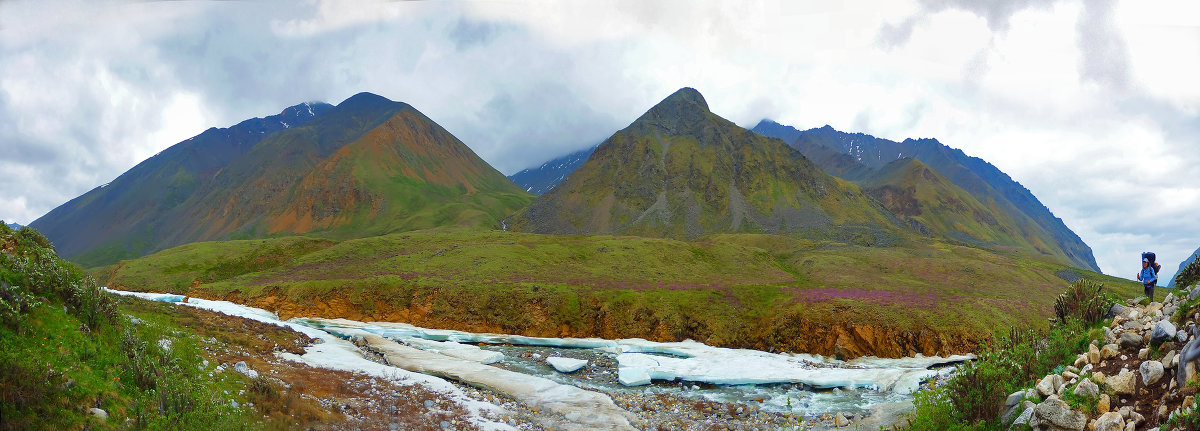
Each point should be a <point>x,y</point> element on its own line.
<point>829,334</point>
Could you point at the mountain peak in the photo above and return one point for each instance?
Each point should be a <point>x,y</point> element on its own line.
<point>365,100</point>
<point>680,113</point>
<point>686,96</point>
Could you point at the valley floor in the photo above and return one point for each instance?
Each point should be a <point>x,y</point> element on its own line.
<point>333,384</point>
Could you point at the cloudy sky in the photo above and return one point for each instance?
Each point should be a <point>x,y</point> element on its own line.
<point>1093,105</point>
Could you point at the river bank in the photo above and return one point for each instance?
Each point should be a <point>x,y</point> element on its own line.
<point>775,391</point>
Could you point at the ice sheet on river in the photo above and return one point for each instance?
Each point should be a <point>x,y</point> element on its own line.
<point>694,361</point>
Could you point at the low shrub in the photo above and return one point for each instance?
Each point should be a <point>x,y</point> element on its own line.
<point>1189,276</point>
<point>973,396</point>
<point>15,303</point>
<point>1084,301</point>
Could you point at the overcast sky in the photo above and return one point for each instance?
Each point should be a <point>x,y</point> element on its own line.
<point>1092,105</point>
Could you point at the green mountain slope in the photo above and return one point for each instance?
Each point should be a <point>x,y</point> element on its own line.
<point>681,171</point>
<point>365,167</point>
<point>854,156</point>
<point>934,206</point>
<point>758,291</point>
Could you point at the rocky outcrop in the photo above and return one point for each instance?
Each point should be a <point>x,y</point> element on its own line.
<point>1127,381</point>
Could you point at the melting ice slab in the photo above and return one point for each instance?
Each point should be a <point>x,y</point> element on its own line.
<point>698,362</point>
<point>566,365</point>
<point>641,361</point>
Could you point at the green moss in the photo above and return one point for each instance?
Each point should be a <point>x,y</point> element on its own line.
<point>75,349</point>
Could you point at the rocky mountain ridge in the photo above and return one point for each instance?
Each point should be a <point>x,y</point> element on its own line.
<point>857,156</point>
<point>541,179</point>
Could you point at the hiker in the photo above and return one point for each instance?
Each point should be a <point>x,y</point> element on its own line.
<point>1149,274</point>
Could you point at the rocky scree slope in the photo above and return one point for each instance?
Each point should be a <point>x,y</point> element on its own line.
<point>541,179</point>
<point>1137,378</point>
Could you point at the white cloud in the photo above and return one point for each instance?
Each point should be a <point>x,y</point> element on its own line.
<point>1092,105</point>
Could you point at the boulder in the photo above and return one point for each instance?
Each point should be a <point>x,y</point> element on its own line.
<point>1109,351</point>
<point>98,413</point>
<point>1026,414</point>
<point>839,420</point>
<point>1163,330</point>
<point>566,365</point>
<point>1087,389</point>
<point>1055,414</point>
<point>241,367</point>
<point>1130,341</point>
<point>1115,310</point>
<point>1122,383</point>
<point>1152,372</point>
<point>1104,404</point>
<point>1098,377</point>
<point>1166,360</point>
<point>1195,293</point>
<point>1111,421</point>
<point>1049,385</point>
<point>1014,398</point>
<point>1144,354</point>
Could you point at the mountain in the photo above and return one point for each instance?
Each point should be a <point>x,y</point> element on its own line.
<point>1183,265</point>
<point>934,206</point>
<point>364,167</point>
<point>854,156</point>
<point>541,179</point>
<point>13,226</point>
<point>680,171</point>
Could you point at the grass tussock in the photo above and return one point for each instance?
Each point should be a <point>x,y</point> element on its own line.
<point>971,399</point>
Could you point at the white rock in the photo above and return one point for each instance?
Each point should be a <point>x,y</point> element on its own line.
<point>1152,372</point>
<point>241,367</point>
<point>566,365</point>
<point>1026,414</point>
<point>1122,383</point>
<point>1164,330</point>
<point>1110,421</point>
<point>1087,389</point>
<point>98,413</point>
<point>1049,385</point>
<point>1058,414</point>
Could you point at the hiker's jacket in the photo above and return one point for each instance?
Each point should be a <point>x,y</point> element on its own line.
<point>1147,276</point>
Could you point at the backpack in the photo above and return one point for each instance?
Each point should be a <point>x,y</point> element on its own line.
<point>1149,256</point>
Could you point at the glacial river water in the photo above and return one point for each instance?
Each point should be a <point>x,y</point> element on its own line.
<point>802,384</point>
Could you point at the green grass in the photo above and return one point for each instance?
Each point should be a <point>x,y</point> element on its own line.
<point>742,290</point>
<point>68,346</point>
